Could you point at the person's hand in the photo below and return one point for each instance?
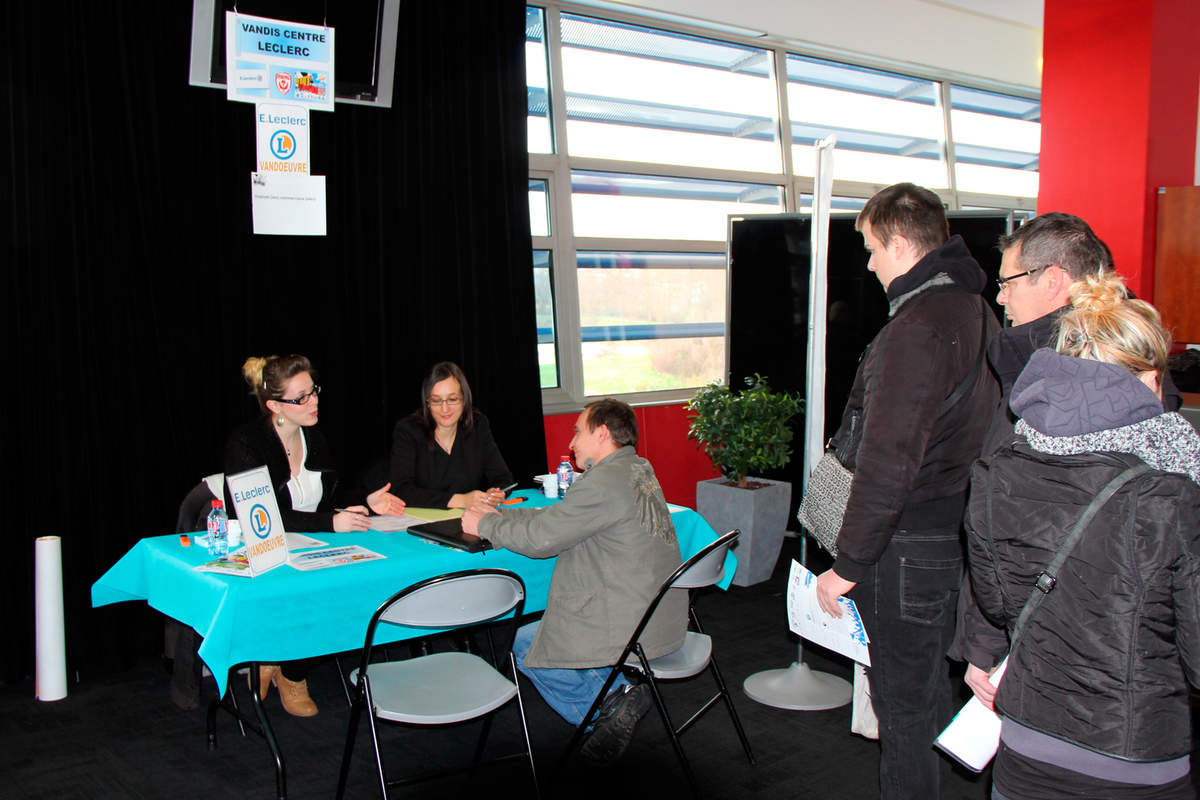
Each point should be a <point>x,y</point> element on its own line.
<point>831,586</point>
<point>353,518</point>
<point>494,496</point>
<point>467,499</point>
<point>977,679</point>
<point>471,517</point>
<point>382,501</point>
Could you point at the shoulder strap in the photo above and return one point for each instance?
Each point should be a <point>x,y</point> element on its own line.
<point>969,381</point>
<point>1048,577</point>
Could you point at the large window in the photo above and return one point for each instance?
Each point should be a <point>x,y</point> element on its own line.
<point>643,141</point>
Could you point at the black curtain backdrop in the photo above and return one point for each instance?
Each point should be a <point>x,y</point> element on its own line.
<point>134,288</point>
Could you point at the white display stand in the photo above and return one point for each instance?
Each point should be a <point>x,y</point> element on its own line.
<point>798,687</point>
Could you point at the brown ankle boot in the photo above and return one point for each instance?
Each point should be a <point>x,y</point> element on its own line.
<point>266,674</point>
<point>294,695</point>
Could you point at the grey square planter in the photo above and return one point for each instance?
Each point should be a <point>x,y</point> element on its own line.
<point>761,514</point>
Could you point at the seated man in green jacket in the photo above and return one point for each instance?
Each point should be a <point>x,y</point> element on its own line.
<point>615,544</point>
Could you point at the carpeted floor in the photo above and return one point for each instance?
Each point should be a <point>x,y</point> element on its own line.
<point>118,736</point>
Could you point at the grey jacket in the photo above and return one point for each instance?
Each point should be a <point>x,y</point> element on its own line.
<point>615,545</point>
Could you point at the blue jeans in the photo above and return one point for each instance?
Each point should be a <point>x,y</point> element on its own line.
<point>907,601</point>
<point>570,692</point>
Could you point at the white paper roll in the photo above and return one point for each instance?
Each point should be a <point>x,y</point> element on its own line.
<point>48,602</point>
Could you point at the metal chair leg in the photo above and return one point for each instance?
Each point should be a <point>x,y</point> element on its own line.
<point>512,662</point>
<point>383,782</point>
<point>733,715</point>
<point>348,750</point>
<point>666,718</point>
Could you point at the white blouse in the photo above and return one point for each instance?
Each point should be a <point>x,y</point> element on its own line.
<point>305,486</point>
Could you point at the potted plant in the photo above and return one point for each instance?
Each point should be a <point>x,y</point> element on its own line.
<point>744,433</point>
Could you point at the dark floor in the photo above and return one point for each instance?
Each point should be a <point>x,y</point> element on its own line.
<point>120,737</point>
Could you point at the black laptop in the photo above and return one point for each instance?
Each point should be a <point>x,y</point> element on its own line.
<point>450,533</point>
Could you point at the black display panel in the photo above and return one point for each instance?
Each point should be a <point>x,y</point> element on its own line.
<point>769,262</point>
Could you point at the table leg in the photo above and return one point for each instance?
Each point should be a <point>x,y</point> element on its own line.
<point>261,726</point>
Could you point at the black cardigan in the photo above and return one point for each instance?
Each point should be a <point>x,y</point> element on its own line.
<point>256,443</point>
<point>425,476</point>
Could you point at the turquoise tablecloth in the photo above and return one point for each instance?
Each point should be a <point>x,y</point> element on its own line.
<point>287,614</point>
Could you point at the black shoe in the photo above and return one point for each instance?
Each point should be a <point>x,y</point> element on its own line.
<point>615,724</point>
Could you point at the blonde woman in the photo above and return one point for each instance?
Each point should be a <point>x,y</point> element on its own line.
<point>285,439</point>
<point>1094,699</point>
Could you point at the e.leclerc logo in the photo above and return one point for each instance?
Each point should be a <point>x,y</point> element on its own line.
<point>283,144</point>
<point>260,521</point>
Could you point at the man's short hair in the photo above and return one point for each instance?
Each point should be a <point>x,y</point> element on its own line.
<point>1062,240</point>
<point>618,416</point>
<point>910,211</point>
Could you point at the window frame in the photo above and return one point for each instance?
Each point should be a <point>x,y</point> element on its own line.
<point>556,169</point>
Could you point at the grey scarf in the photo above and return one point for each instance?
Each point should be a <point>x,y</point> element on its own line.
<point>1166,442</point>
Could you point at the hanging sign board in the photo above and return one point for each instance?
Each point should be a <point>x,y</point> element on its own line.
<point>270,60</point>
<point>282,138</point>
<point>262,524</point>
<point>288,204</point>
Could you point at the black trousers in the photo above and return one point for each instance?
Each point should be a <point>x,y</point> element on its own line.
<point>907,602</point>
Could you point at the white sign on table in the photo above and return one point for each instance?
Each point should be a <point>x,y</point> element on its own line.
<point>262,524</point>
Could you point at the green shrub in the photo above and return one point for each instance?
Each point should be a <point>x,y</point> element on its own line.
<point>744,432</point>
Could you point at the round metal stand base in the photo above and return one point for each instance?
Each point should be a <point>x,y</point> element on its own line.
<point>798,688</point>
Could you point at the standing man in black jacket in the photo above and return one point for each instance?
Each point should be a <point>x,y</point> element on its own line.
<point>919,408</point>
<point>1040,260</point>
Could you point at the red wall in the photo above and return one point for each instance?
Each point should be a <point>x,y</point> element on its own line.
<point>662,439</point>
<point>1119,101</point>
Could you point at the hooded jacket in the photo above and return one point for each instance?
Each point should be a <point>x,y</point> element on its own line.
<point>1105,661</point>
<point>911,464</point>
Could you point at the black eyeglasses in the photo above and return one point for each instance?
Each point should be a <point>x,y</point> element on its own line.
<point>1004,282</point>
<point>302,399</point>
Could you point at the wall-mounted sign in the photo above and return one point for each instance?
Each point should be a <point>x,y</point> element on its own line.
<point>270,60</point>
<point>282,138</point>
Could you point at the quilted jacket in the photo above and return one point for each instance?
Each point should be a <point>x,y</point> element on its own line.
<point>1105,661</point>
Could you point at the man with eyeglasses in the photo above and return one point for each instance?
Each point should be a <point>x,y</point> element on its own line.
<point>1040,261</point>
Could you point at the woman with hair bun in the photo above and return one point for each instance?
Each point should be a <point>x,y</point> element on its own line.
<point>443,455</point>
<point>1094,699</point>
<point>285,439</point>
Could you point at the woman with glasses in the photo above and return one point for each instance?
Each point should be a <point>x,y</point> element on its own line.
<point>444,456</point>
<point>1094,699</point>
<point>286,439</point>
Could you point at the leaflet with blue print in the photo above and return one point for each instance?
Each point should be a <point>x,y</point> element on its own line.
<point>844,634</point>
<point>332,557</point>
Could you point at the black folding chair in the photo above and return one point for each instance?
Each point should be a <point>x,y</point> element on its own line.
<point>705,568</point>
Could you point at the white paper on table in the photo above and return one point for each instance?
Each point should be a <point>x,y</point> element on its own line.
<point>298,541</point>
<point>844,634</point>
<point>973,736</point>
<point>390,523</point>
<point>332,557</point>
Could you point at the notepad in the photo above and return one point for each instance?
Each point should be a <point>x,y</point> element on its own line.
<point>433,514</point>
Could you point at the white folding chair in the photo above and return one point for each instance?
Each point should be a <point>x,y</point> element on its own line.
<point>440,688</point>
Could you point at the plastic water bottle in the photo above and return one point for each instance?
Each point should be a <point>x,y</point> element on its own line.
<point>566,474</point>
<point>218,530</point>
